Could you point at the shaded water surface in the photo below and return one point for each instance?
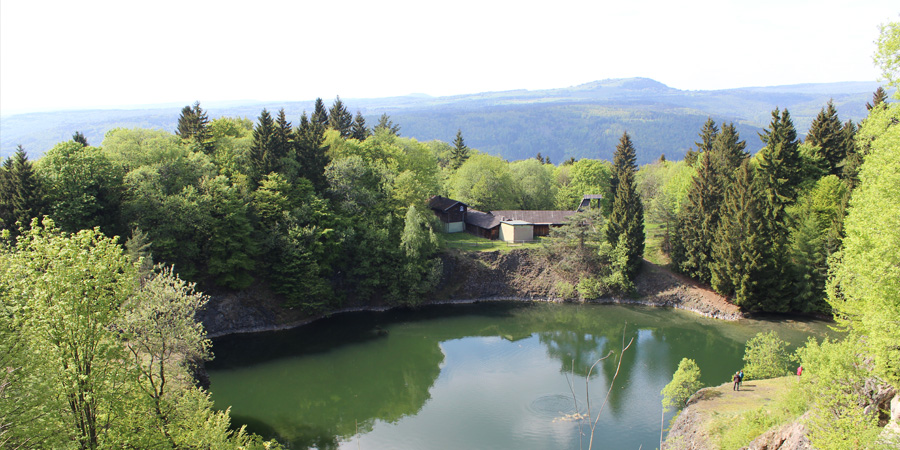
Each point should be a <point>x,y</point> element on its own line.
<point>486,376</point>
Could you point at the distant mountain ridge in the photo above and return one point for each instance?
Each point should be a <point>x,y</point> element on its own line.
<point>583,121</point>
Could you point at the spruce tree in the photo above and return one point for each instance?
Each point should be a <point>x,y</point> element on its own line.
<point>79,138</point>
<point>359,131</point>
<point>697,222</point>
<point>21,196</point>
<point>385,123</point>
<point>311,153</point>
<point>853,159</point>
<point>780,164</point>
<point>460,152</point>
<point>320,114</point>
<point>879,97</point>
<point>707,137</point>
<point>740,249</point>
<point>625,229</point>
<point>193,124</point>
<point>624,160</point>
<point>282,141</point>
<point>825,132</point>
<point>728,152</point>
<point>780,178</point>
<point>262,150</point>
<point>340,119</point>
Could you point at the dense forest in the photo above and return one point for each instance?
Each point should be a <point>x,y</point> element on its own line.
<point>329,209</point>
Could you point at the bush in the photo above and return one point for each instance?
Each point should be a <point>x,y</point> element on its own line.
<point>766,356</point>
<point>564,289</point>
<point>685,382</point>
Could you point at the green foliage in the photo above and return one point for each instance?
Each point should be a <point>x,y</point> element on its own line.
<point>583,177</point>
<point>625,229</point>
<point>99,357</point>
<point>339,119</point>
<point>766,356</point>
<point>385,123</point>
<point>193,125</point>
<point>359,131</point>
<point>825,132</point>
<point>864,290</point>
<point>835,381</point>
<point>421,270</point>
<point>746,427</point>
<point>887,56</point>
<point>534,184</point>
<point>698,221</point>
<point>685,382</point>
<point>84,189</point>
<point>21,194</point>
<point>263,156</point>
<point>484,182</point>
<point>460,152</point>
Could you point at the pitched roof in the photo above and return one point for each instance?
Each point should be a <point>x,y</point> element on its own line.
<point>482,219</point>
<point>593,196</point>
<point>535,217</point>
<point>443,203</point>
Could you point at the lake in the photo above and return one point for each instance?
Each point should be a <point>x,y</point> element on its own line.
<point>487,376</point>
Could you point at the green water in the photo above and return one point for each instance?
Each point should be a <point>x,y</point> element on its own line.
<point>486,376</point>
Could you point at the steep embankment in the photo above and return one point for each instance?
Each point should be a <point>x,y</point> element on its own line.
<point>469,277</point>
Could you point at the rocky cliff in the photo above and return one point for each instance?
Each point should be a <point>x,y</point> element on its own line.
<point>468,277</point>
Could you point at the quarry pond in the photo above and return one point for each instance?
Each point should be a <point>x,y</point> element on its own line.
<point>488,376</point>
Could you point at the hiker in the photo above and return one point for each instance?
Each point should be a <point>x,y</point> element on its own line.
<point>799,371</point>
<point>737,380</point>
<point>741,382</point>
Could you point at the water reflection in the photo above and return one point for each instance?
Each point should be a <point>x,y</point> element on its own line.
<point>469,376</point>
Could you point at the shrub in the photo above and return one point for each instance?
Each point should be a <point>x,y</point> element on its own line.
<point>766,356</point>
<point>685,382</point>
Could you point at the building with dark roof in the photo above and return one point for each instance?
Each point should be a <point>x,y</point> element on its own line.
<point>508,225</point>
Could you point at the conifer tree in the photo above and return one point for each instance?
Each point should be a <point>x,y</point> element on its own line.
<point>21,197</point>
<point>460,152</point>
<point>79,138</point>
<point>340,119</point>
<point>780,165</point>
<point>282,141</point>
<point>311,153</point>
<point>193,123</point>
<point>262,150</point>
<point>320,114</point>
<point>625,229</point>
<point>385,123</point>
<point>740,248</point>
<point>697,222</point>
<point>853,159</point>
<point>728,152</point>
<point>359,131</point>
<point>825,132</point>
<point>879,97</point>
<point>624,160</point>
<point>707,137</point>
<point>780,176</point>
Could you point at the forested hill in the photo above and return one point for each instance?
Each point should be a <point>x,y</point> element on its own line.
<point>583,121</point>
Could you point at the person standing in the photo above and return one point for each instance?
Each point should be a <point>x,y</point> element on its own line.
<point>741,382</point>
<point>737,381</point>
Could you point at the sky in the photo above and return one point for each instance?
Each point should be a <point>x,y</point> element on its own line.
<point>57,55</point>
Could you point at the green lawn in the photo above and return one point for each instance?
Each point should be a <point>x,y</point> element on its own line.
<point>652,244</point>
<point>469,242</point>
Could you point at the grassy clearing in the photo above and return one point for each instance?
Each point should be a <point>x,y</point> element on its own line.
<point>736,418</point>
<point>469,242</point>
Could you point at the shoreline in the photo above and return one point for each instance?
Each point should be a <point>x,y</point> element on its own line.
<point>720,315</point>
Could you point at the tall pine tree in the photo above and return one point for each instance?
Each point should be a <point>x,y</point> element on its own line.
<point>825,132</point>
<point>262,155</point>
<point>79,138</point>
<point>359,131</point>
<point>741,248</point>
<point>625,229</point>
<point>193,124</point>
<point>21,196</point>
<point>697,222</point>
<point>340,119</point>
<point>320,114</point>
<point>727,152</point>
<point>385,123</point>
<point>282,141</point>
<point>311,152</point>
<point>707,137</point>
<point>460,152</point>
